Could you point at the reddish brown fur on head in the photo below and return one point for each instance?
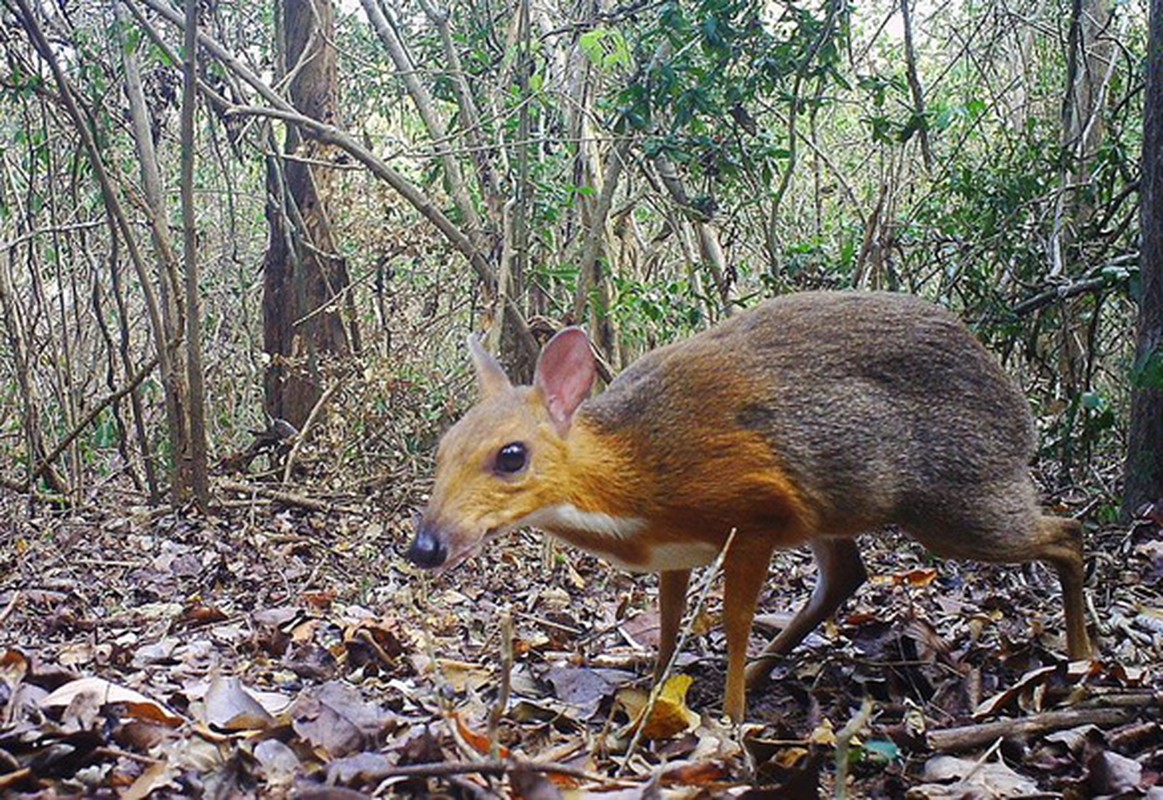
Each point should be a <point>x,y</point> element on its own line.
<point>506,458</point>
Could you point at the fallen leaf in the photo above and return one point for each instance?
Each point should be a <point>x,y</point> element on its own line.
<point>358,769</point>
<point>915,577</point>
<point>1025,684</point>
<point>1114,774</point>
<point>198,615</point>
<point>824,734</point>
<point>961,779</point>
<point>670,715</point>
<point>693,773</point>
<point>154,777</point>
<point>335,718</point>
<point>229,707</point>
<point>529,784</point>
<point>579,686</point>
<point>463,675</point>
<point>13,667</point>
<point>135,703</point>
<point>279,762</point>
<point>478,741</point>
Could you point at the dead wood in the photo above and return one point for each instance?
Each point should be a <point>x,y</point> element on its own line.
<point>952,740</point>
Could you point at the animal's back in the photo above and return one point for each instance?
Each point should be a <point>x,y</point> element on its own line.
<point>879,407</point>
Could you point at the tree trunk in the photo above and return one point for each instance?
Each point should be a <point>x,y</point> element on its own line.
<point>304,279</point>
<point>199,470</point>
<point>1144,466</point>
<point>171,306</point>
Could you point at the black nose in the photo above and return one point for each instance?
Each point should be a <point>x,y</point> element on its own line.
<point>427,551</point>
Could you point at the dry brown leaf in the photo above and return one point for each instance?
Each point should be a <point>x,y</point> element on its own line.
<point>136,704</point>
<point>197,616</point>
<point>954,778</point>
<point>790,757</point>
<point>477,741</point>
<point>529,784</point>
<point>1027,683</point>
<point>319,600</point>
<point>462,675</point>
<point>154,777</point>
<point>915,577</point>
<point>693,773</point>
<point>13,667</point>
<point>229,707</point>
<point>823,734</point>
<point>336,719</point>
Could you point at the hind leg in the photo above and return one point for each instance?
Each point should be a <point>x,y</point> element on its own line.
<point>1006,527</point>
<point>840,573</point>
<point>1060,545</point>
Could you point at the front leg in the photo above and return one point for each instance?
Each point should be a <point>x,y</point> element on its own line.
<point>746,570</point>
<point>672,586</point>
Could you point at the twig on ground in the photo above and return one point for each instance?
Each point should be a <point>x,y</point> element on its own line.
<point>8,609</point>
<point>656,690</point>
<point>498,709</point>
<point>548,623</point>
<point>472,789</point>
<point>316,410</point>
<point>844,745</point>
<point>970,736</point>
<point>287,498</point>
<point>497,767</point>
<point>986,756</point>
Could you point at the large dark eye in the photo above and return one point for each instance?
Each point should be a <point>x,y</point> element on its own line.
<point>511,458</point>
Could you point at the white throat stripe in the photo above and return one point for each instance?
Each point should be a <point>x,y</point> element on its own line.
<point>566,516</point>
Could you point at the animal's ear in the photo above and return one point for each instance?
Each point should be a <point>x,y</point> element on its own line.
<point>565,374</point>
<point>490,376</point>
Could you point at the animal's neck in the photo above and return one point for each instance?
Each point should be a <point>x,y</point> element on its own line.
<point>599,489</point>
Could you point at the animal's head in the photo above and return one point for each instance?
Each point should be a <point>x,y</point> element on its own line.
<point>507,457</point>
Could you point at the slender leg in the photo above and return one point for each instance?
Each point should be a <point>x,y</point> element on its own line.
<point>1005,525</point>
<point>841,572</point>
<point>1060,545</point>
<point>746,570</point>
<point>672,586</point>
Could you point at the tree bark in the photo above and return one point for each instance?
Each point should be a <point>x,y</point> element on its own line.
<point>304,280</point>
<point>1144,466</point>
<point>198,467</point>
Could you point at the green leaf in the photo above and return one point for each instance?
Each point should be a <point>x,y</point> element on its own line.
<point>1092,401</point>
<point>591,45</point>
<point>606,48</point>
<point>881,751</point>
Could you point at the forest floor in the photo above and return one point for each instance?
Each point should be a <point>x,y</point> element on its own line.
<point>277,650</point>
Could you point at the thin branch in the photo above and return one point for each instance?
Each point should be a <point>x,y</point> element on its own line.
<point>113,205</point>
<point>94,412</point>
<point>316,410</point>
<point>1096,281</point>
<point>198,468</point>
<point>656,690</point>
<point>385,28</point>
<point>329,134</point>
<point>287,498</point>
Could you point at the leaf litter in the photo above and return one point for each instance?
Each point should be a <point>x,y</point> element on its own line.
<point>276,651</point>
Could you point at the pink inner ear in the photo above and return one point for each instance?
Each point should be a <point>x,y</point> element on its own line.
<point>565,373</point>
